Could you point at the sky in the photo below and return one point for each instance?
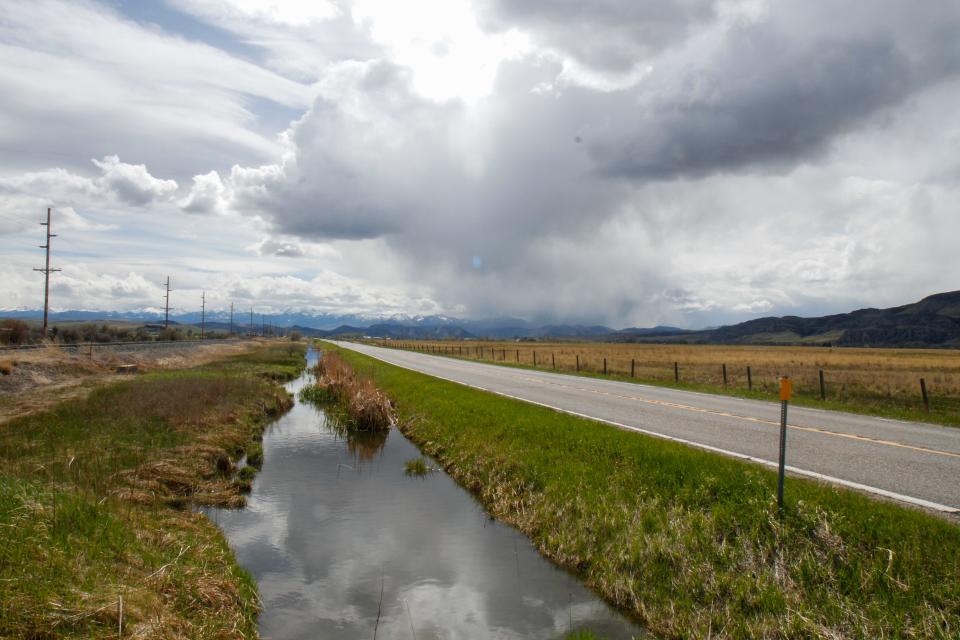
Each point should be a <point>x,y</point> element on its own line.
<point>682,162</point>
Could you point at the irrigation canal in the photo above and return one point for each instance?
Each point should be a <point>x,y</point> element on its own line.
<point>342,543</point>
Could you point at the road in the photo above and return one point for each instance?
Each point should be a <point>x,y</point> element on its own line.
<point>910,462</point>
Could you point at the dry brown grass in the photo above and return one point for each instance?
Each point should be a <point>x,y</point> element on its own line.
<point>365,407</point>
<point>848,371</point>
<point>38,379</point>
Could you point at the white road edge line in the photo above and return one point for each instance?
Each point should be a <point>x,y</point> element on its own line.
<point>920,502</point>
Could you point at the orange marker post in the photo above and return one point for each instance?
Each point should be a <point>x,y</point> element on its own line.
<point>786,390</point>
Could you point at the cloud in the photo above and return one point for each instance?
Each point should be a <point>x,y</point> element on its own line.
<point>207,195</point>
<point>611,35</point>
<point>118,184</point>
<point>132,183</point>
<point>683,162</point>
<point>283,249</point>
<point>130,89</point>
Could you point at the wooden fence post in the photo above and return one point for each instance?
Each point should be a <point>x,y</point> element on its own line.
<point>553,360</point>
<point>518,355</point>
<point>632,366</point>
<point>534,358</point>
<point>823,388</point>
<point>724,375</point>
<point>749,379</point>
<point>604,366</point>
<point>578,362</point>
<point>676,372</point>
<point>923,391</point>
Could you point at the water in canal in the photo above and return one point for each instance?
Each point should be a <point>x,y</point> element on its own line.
<point>342,543</point>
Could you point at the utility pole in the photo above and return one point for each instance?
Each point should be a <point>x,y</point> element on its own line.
<point>203,313</point>
<point>166,306</point>
<point>231,318</point>
<point>262,326</point>
<point>251,322</point>
<point>46,273</point>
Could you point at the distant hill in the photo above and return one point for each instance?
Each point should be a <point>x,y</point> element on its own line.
<point>931,322</point>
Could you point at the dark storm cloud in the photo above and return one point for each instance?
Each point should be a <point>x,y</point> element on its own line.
<point>552,199</point>
<point>774,92</point>
<point>607,34</point>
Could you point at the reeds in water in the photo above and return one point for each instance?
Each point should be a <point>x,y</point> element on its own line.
<point>364,406</point>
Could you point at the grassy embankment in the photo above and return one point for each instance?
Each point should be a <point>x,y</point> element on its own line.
<point>97,539</point>
<point>687,541</point>
<point>881,382</point>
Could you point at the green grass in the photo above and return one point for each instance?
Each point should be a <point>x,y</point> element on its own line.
<point>688,542</point>
<point>944,410</point>
<point>90,505</point>
<point>416,467</point>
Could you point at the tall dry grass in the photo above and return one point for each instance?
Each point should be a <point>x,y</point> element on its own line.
<point>889,377</point>
<point>364,406</point>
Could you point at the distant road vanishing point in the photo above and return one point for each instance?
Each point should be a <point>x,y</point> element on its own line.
<point>909,462</point>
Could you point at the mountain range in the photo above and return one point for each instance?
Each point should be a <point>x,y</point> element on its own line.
<point>931,322</point>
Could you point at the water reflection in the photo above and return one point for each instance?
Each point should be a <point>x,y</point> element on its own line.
<point>361,445</point>
<point>333,522</point>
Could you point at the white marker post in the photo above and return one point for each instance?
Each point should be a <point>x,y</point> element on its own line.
<point>786,387</point>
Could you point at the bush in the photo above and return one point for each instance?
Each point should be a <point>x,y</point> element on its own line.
<point>14,331</point>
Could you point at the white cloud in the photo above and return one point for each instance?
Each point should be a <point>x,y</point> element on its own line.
<point>132,183</point>
<point>207,195</point>
<point>683,162</point>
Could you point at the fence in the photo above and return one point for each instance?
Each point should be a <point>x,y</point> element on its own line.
<point>913,379</point>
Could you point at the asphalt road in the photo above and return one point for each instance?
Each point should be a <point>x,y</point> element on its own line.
<point>907,461</point>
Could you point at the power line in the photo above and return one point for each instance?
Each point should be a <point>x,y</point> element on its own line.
<point>166,307</point>
<point>46,273</point>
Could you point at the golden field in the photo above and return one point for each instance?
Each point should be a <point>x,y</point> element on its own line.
<point>885,381</point>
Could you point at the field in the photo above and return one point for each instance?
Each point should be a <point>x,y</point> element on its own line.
<point>687,541</point>
<point>99,540</point>
<point>882,382</point>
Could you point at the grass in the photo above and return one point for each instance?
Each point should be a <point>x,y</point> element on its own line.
<point>882,382</point>
<point>92,496</point>
<point>688,542</point>
<point>416,467</point>
<point>359,405</point>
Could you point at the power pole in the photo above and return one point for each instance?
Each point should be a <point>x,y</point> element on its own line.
<point>203,313</point>
<point>231,318</point>
<point>262,325</point>
<point>251,322</point>
<point>46,273</point>
<point>166,306</point>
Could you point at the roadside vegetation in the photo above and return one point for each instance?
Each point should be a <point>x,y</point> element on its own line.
<point>688,542</point>
<point>98,536</point>
<point>356,402</point>
<point>882,382</point>
<point>14,332</point>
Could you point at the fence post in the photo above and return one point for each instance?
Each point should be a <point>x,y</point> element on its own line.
<point>923,391</point>
<point>553,360</point>
<point>534,358</point>
<point>604,366</point>
<point>676,372</point>
<point>632,366</point>
<point>518,355</point>
<point>823,388</point>
<point>749,379</point>
<point>724,375</point>
<point>578,362</point>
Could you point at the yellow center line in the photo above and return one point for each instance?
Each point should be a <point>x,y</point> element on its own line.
<point>685,407</point>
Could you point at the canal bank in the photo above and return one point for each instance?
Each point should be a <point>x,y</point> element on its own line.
<point>342,543</point>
